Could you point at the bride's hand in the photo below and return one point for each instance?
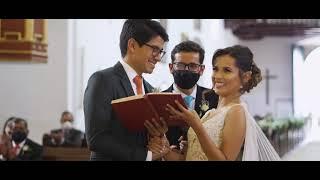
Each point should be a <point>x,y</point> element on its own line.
<point>182,113</point>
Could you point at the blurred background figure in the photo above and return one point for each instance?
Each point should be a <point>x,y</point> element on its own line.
<point>66,136</point>
<point>17,146</point>
<point>7,128</point>
<point>5,138</point>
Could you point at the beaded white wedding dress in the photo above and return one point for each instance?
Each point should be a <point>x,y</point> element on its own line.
<point>256,146</point>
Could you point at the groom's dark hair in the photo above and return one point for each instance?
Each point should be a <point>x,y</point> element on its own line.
<point>141,30</point>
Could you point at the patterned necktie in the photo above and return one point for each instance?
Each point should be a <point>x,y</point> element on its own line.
<point>188,100</point>
<point>138,81</point>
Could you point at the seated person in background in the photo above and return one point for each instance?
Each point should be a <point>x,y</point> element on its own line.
<point>7,127</point>
<point>21,147</point>
<point>66,136</point>
<point>5,138</point>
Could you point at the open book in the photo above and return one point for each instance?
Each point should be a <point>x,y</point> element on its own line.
<point>133,111</point>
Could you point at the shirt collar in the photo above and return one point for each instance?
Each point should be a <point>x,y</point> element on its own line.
<point>129,70</point>
<point>20,144</point>
<point>193,94</point>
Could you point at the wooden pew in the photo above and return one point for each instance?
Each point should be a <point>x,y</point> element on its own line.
<point>65,154</point>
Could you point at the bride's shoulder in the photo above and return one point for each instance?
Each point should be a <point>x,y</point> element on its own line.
<point>236,111</point>
<point>236,108</point>
<point>242,106</point>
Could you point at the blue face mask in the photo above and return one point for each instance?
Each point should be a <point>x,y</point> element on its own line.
<point>19,136</point>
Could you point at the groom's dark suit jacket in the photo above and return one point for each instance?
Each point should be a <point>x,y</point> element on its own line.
<point>106,136</point>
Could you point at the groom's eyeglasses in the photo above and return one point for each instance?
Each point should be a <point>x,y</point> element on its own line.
<point>156,51</point>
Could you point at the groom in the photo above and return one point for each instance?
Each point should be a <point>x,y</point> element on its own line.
<point>141,45</point>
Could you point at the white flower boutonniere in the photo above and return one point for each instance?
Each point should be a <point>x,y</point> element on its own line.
<point>204,106</point>
<point>25,148</point>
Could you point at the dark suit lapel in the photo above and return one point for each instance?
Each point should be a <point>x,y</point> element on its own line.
<point>125,82</point>
<point>198,99</point>
<point>24,149</point>
<point>147,87</point>
<point>170,89</point>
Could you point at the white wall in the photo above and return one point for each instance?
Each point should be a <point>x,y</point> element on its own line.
<point>276,55</point>
<point>304,62</point>
<point>37,92</point>
<point>96,47</point>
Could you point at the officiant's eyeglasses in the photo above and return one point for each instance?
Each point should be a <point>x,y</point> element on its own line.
<point>156,51</point>
<point>191,67</point>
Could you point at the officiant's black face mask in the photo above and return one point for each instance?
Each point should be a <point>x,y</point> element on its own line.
<point>185,79</point>
<point>19,136</point>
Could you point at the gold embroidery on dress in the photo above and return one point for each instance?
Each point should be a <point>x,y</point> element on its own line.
<point>213,122</point>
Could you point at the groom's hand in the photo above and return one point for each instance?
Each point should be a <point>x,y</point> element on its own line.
<point>156,129</point>
<point>159,147</point>
<point>183,145</point>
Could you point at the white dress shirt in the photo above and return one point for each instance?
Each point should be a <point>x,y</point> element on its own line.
<point>20,146</point>
<point>131,73</point>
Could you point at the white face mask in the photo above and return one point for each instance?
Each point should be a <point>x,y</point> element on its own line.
<point>67,125</point>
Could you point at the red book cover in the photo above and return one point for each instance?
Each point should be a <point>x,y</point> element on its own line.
<point>160,101</point>
<point>133,111</point>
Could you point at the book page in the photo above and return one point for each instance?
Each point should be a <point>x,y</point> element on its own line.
<point>130,98</point>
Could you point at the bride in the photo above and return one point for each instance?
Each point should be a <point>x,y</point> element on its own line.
<point>228,132</point>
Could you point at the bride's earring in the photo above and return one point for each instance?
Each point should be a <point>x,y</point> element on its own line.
<point>241,88</point>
